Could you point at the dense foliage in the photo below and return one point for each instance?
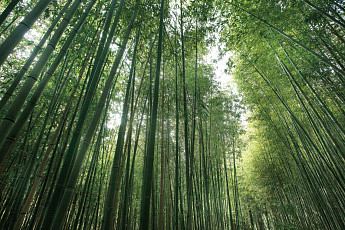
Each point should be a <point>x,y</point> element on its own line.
<point>288,59</point>
<point>111,117</point>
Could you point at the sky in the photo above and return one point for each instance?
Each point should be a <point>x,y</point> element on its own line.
<point>219,64</point>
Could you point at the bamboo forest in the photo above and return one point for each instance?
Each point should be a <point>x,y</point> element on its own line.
<point>172,114</point>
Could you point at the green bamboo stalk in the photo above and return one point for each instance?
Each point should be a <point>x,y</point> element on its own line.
<point>9,141</point>
<point>228,192</point>
<point>31,161</point>
<point>176,223</point>
<point>91,87</point>
<point>324,59</point>
<point>125,224</point>
<point>109,210</point>
<point>68,192</point>
<point>10,119</point>
<point>82,205</point>
<point>53,142</point>
<point>186,132</point>
<point>7,11</point>
<point>161,190</point>
<point>24,26</point>
<point>148,165</point>
<point>325,13</point>
<point>38,47</point>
